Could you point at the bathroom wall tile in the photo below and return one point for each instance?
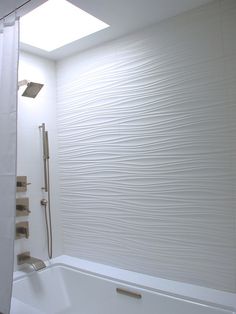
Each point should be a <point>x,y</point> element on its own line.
<point>227,5</point>
<point>31,114</point>
<point>228,15</point>
<point>146,128</point>
<point>170,43</point>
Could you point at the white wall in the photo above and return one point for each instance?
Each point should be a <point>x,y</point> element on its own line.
<point>146,128</point>
<point>31,114</point>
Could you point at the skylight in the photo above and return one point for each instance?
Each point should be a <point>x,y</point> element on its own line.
<point>57,23</point>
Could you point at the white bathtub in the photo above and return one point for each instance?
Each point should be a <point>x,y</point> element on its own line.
<point>73,286</point>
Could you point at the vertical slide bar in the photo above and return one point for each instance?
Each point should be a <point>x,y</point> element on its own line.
<point>45,154</point>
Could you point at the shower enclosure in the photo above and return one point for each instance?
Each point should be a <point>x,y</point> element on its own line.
<point>142,183</point>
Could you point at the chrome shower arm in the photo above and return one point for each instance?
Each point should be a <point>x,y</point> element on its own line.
<point>22,83</point>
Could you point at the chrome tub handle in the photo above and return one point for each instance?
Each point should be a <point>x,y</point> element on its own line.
<point>129,293</point>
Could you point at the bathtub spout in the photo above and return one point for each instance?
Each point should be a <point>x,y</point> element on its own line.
<point>25,258</point>
<point>36,263</point>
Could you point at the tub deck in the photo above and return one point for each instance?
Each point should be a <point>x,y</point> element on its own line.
<point>73,286</point>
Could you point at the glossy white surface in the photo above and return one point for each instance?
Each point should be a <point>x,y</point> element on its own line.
<point>73,286</point>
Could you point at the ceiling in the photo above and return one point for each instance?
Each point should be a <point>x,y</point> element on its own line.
<point>123,16</point>
<point>7,6</point>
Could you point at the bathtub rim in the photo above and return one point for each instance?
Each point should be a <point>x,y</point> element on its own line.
<point>187,292</point>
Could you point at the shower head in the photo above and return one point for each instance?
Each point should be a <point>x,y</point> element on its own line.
<point>32,89</point>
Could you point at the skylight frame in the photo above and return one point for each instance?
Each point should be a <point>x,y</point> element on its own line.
<point>57,23</point>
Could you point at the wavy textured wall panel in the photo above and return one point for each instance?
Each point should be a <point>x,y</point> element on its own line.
<point>147,151</point>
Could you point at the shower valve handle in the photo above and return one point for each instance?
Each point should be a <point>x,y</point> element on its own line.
<point>43,202</point>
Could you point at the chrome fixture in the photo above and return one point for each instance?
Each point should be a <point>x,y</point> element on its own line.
<point>32,89</point>
<point>21,184</point>
<point>22,206</point>
<point>46,202</point>
<point>22,230</point>
<point>129,293</point>
<point>25,258</point>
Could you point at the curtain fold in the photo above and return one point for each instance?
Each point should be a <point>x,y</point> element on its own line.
<point>9,52</point>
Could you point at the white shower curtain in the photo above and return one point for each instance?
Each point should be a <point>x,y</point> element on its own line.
<point>8,111</point>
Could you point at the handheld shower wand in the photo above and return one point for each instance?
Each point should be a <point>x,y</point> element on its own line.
<point>47,203</point>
